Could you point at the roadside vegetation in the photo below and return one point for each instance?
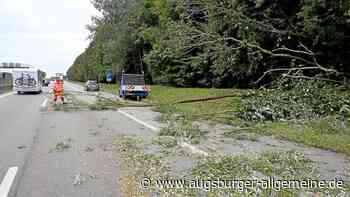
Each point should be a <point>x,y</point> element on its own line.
<point>312,113</point>
<point>219,43</point>
<point>319,133</point>
<point>111,88</point>
<point>167,98</point>
<point>5,83</point>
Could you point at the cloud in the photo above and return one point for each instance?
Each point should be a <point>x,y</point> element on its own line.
<point>47,34</point>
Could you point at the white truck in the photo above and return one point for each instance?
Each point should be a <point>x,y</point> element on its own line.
<point>27,80</point>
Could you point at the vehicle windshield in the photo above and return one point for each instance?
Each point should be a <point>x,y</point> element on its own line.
<point>207,98</point>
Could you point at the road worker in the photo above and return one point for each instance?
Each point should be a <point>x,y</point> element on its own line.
<point>58,90</point>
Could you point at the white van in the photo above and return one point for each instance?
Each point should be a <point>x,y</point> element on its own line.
<point>27,80</point>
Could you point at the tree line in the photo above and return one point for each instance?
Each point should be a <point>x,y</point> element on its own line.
<point>218,43</point>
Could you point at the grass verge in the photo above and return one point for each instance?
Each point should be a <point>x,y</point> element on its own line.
<point>327,133</point>
<point>110,88</point>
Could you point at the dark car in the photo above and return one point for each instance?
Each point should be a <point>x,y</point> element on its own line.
<point>92,86</point>
<point>46,83</point>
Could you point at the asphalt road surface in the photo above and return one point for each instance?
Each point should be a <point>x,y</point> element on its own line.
<point>19,120</point>
<point>48,153</point>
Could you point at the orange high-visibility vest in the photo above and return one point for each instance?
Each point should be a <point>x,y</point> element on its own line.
<point>58,86</point>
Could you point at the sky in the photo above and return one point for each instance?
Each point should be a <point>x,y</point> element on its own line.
<point>44,33</point>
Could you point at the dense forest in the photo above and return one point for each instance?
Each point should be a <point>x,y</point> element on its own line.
<point>218,43</point>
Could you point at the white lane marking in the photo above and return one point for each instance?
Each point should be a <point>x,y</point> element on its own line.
<point>138,121</point>
<point>6,94</point>
<point>44,103</point>
<point>192,148</point>
<point>7,182</point>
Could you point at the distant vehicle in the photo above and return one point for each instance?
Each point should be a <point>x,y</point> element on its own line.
<point>92,86</point>
<point>46,82</point>
<point>27,80</point>
<point>134,86</point>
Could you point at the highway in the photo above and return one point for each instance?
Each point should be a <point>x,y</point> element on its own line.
<point>34,163</point>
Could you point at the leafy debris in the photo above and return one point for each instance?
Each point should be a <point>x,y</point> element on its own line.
<point>62,146</point>
<point>299,99</point>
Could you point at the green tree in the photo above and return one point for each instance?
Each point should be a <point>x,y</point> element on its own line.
<point>220,43</point>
